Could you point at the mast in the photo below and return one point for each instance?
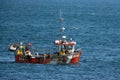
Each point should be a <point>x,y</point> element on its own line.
<point>62,28</point>
<point>61,19</point>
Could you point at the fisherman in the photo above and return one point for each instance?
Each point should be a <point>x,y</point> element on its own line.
<point>28,55</point>
<point>19,52</point>
<point>29,46</point>
<point>27,52</point>
<point>27,49</point>
<point>22,48</point>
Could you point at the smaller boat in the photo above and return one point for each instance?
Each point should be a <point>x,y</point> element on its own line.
<point>66,53</point>
<point>13,46</point>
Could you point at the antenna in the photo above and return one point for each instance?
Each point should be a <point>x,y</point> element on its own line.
<point>61,19</point>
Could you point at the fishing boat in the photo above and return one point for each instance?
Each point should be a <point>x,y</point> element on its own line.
<point>66,54</point>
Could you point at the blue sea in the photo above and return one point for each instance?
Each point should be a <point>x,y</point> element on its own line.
<point>93,24</point>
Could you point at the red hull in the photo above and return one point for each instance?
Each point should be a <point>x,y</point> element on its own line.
<point>75,58</point>
<point>32,60</point>
<point>42,60</point>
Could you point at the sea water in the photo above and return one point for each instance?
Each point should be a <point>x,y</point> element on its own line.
<point>93,24</point>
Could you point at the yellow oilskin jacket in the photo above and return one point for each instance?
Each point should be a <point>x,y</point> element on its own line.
<point>62,53</point>
<point>19,52</point>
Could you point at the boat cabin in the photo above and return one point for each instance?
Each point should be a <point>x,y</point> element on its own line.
<point>65,46</point>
